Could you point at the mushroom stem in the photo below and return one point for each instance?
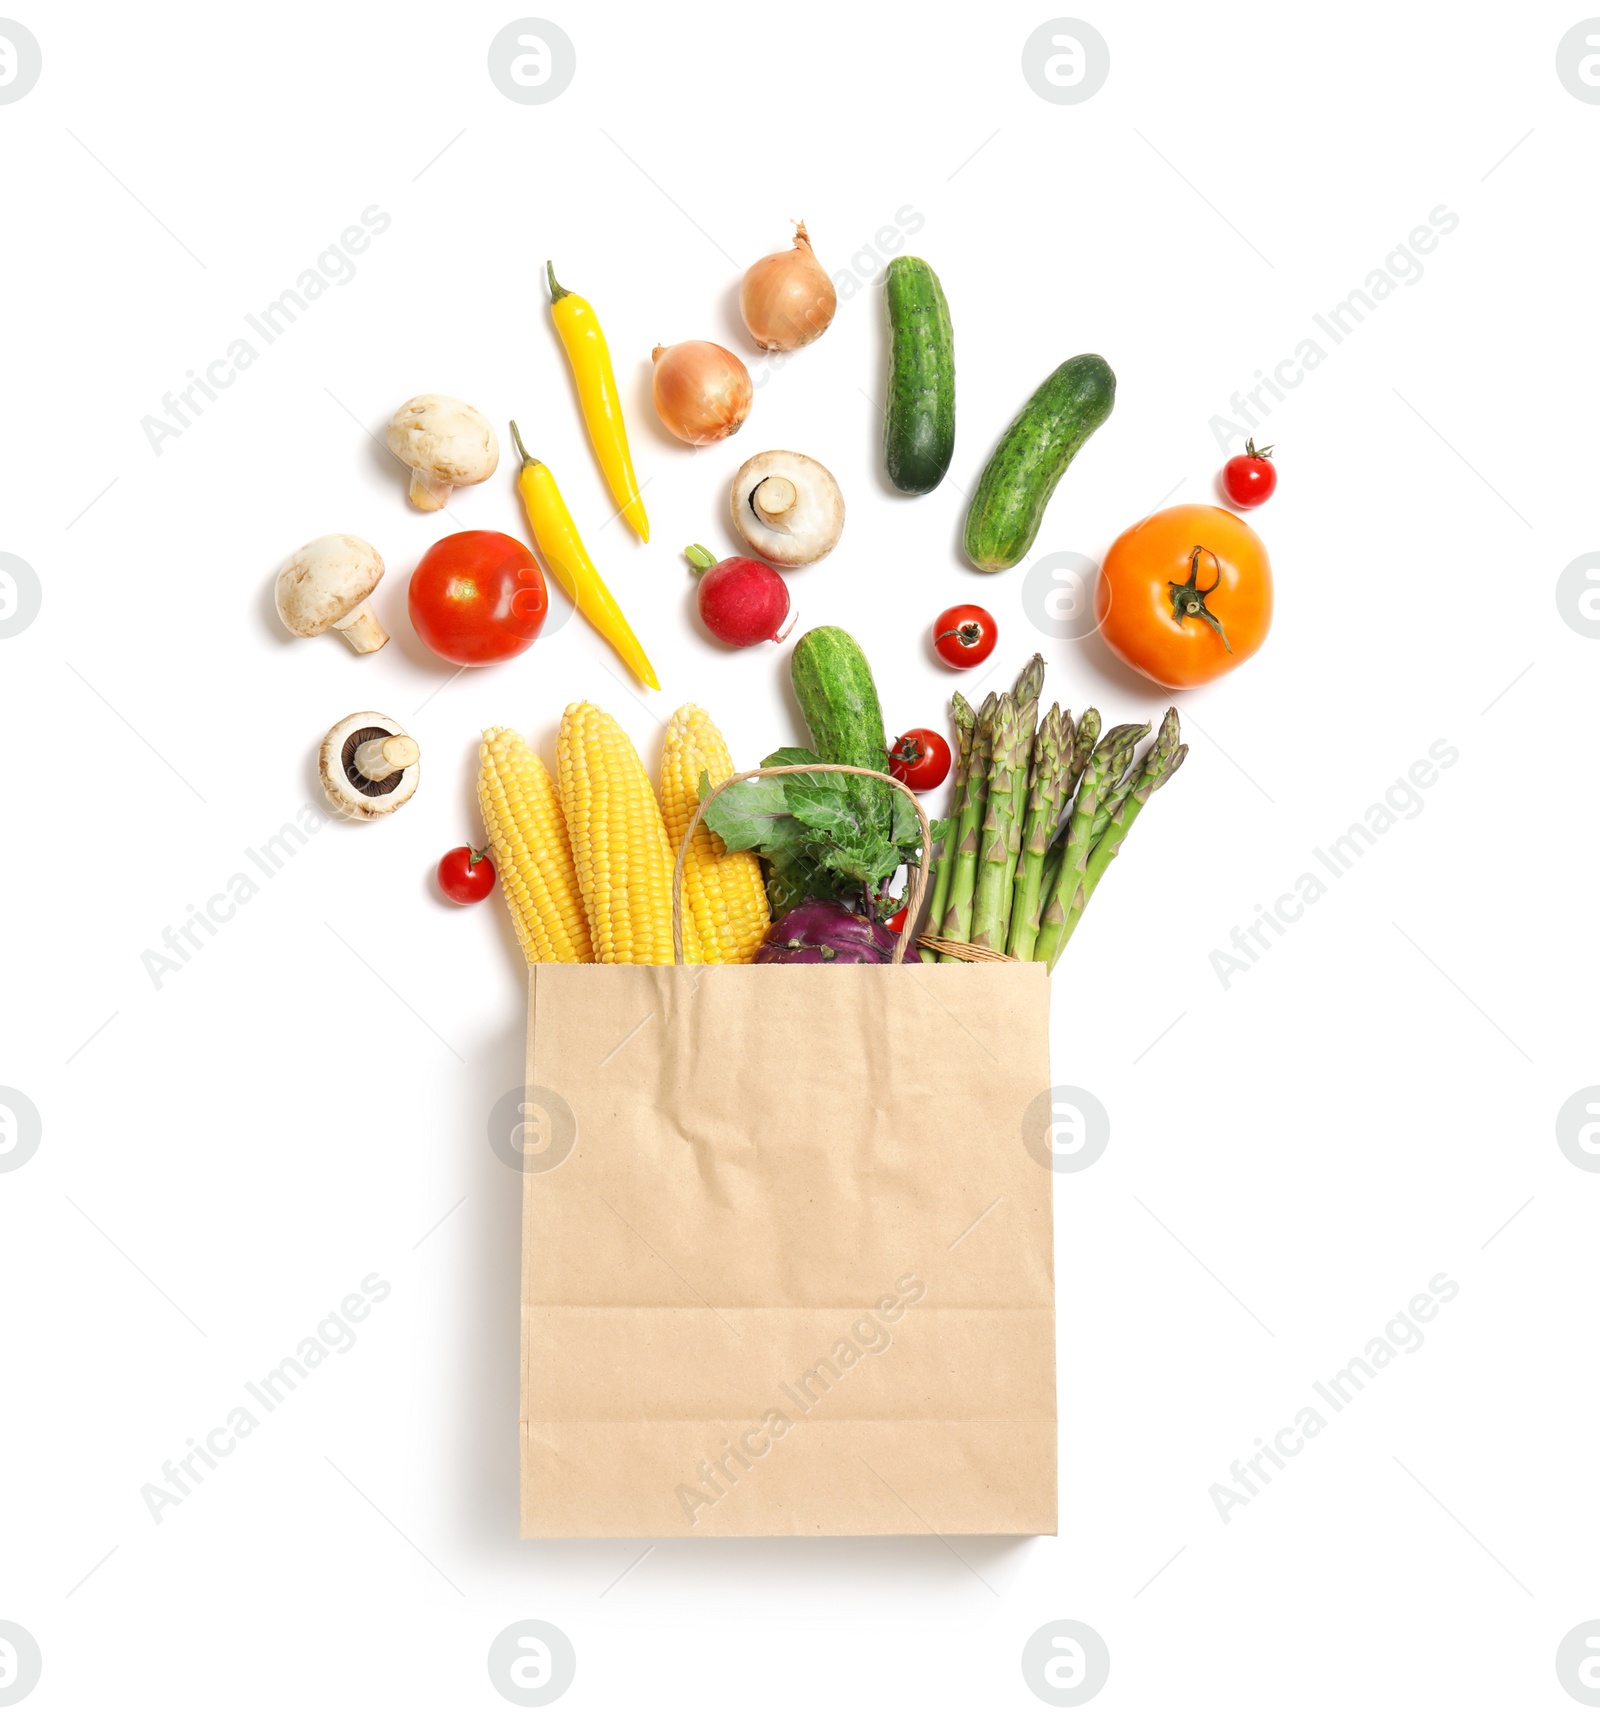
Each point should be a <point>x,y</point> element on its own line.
<point>428,492</point>
<point>379,757</point>
<point>360,627</point>
<point>773,499</point>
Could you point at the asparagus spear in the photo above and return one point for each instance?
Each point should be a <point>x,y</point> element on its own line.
<point>1105,769</point>
<point>1026,690</point>
<point>966,835</point>
<point>1051,753</point>
<point>1083,742</point>
<point>1163,758</point>
<point>966,722</point>
<point>995,859</point>
<point>1030,680</point>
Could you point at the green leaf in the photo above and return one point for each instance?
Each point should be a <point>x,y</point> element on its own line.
<point>905,830</point>
<point>744,816</point>
<point>822,806</point>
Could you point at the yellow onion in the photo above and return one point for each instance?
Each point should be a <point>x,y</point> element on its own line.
<point>702,391</point>
<point>786,298</point>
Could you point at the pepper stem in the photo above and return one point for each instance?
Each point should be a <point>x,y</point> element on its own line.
<point>699,558</point>
<point>516,438</point>
<point>557,292</point>
<point>1189,598</point>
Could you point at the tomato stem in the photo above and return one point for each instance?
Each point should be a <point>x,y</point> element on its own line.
<point>1251,450</point>
<point>475,857</point>
<point>1189,598</point>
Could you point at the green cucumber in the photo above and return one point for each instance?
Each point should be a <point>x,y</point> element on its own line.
<point>919,420</point>
<point>833,684</point>
<point>1010,501</point>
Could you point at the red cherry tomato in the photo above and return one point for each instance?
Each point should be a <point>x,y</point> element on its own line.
<point>898,921</point>
<point>466,875</point>
<point>478,598</point>
<point>964,635</point>
<point>1250,478</point>
<point>920,759</point>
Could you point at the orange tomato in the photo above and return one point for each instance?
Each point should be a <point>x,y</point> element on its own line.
<point>1186,595</point>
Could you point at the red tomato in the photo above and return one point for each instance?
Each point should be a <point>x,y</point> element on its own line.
<point>478,598</point>
<point>466,875</point>
<point>1250,478</point>
<point>898,921</point>
<point>920,759</point>
<point>964,635</point>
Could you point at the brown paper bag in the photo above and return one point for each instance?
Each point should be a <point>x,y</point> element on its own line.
<point>787,1263</point>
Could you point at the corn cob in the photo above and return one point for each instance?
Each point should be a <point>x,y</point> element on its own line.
<point>619,841</point>
<point>528,837</point>
<point>723,897</point>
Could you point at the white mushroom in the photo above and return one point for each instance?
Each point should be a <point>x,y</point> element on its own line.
<point>445,443</point>
<point>325,585</point>
<point>369,766</point>
<point>788,507</point>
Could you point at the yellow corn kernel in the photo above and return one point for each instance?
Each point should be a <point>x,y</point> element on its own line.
<point>619,841</point>
<point>722,892</point>
<point>528,838</point>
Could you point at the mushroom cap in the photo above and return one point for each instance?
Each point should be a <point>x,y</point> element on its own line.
<point>351,795</point>
<point>811,526</point>
<point>444,438</point>
<point>324,579</point>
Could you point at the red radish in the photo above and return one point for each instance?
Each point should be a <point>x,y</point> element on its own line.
<point>742,601</point>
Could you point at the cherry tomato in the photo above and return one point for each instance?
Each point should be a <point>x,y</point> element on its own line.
<point>466,875</point>
<point>964,635</point>
<point>478,598</point>
<point>1186,595</point>
<point>898,921</point>
<point>920,759</point>
<point>1250,478</point>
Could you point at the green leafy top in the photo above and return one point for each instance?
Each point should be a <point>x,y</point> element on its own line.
<point>812,835</point>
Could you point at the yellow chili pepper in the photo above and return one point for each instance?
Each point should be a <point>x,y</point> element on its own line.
<point>559,545</point>
<point>590,358</point>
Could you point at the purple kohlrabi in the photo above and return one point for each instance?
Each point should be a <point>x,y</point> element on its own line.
<point>821,933</point>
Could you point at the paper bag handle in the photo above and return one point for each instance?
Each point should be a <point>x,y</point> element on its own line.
<point>920,873</point>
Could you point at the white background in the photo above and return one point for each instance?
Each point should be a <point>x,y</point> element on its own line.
<point>225,1157</point>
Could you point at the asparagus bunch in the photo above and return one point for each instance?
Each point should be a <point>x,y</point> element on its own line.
<point>1037,813</point>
